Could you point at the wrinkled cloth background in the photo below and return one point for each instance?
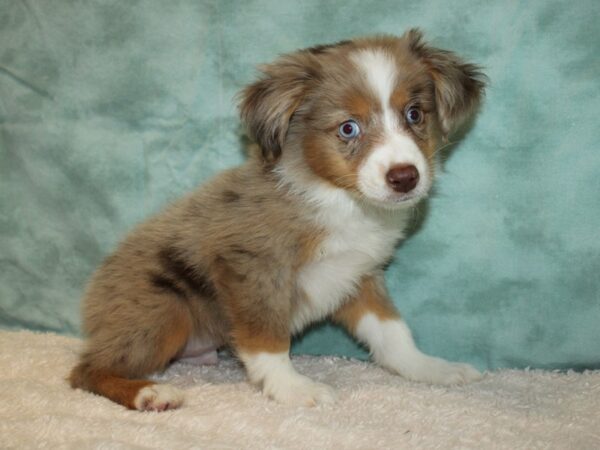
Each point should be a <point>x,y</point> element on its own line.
<point>109,109</point>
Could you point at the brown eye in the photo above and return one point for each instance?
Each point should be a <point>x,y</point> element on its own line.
<point>414,116</point>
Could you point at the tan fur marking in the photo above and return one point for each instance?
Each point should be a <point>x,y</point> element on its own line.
<point>308,245</point>
<point>259,322</point>
<point>369,299</point>
<point>358,105</point>
<point>175,338</point>
<point>399,99</point>
<point>328,164</point>
<point>103,382</point>
<point>255,341</point>
<point>428,148</point>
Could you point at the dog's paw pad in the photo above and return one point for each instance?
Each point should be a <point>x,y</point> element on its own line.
<point>158,397</point>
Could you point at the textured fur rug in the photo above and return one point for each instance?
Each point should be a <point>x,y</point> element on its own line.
<point>508,409</point>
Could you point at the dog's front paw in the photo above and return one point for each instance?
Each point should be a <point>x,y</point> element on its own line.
<point>299,391</point>
<point>439,371</point>
<point>432,370</point>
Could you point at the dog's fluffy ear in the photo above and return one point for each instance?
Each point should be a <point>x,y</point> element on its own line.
<point>459,86</point>
<point>268,104</point>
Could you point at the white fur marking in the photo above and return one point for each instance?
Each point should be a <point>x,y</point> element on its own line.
<point>281,382</point>
<point>380,72</point>
<point>158,397</point>
<point>356,244</point>
<point>360,237</point>
<point>398,149</point>
<point>392,347</point>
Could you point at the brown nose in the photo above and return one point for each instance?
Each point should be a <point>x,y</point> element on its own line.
<point>402,178</point>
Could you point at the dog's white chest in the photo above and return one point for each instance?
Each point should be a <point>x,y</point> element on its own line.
<point>356,244</point>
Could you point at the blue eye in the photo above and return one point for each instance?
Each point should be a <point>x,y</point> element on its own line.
<point>349,130</point>
<point>414,116</point>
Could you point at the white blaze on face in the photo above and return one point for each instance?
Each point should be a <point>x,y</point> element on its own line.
<point>398,147</point>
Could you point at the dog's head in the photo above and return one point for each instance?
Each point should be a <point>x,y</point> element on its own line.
<point>365,115</point>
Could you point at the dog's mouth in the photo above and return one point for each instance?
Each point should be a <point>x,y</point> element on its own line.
<point>390,201</point>
<point>387,198</point>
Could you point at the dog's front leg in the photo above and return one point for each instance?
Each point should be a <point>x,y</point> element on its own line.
<point>280,381</point>
<point>373,319</point>
<point>264,350</point>
<point>258,309</point>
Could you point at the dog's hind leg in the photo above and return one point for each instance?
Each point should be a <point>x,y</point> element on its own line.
<point>117,360</point>
<point>140,394</point>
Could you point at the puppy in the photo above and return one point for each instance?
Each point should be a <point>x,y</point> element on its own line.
<point>301,232</point>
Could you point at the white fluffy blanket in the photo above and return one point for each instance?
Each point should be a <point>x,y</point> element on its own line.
<point>508,409</point>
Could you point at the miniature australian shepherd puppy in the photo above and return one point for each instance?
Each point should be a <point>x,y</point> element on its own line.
<point>301,232</point>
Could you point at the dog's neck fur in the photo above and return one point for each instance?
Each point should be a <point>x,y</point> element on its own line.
<point>360,238</point>
<point>335,207</point>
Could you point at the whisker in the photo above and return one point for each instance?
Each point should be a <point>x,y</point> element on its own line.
<point>440,149</point>
<point>344,177</point>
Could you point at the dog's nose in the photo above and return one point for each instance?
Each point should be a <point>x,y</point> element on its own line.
<point>402,178</point>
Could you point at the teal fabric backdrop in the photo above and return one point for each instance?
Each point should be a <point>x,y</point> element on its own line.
<point>109,109</point>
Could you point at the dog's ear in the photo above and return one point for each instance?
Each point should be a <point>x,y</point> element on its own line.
<point>459,86</point>
<point>267,105</point>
